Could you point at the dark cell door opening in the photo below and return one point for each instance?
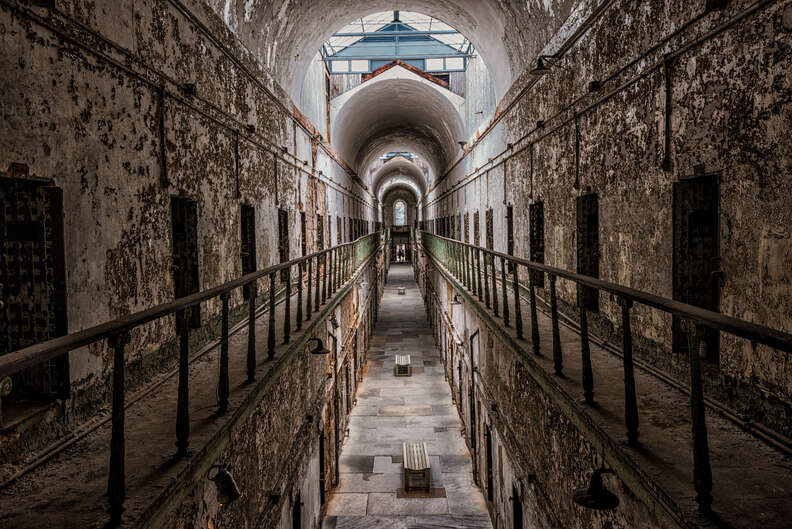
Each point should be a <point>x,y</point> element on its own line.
<point>184,227</point>
<point>473,425</point>
<point>696,265</point>
<point>319,233</point>
<point>476,237</point>
<point>297,512</point>
<point>322,466</point>
<point>537,239</point>
<point>32,288</point>
<point>467,227</point>
<point>510,230</point>
<point>283,240</point>
<point>517,506</point>
<point>339,230</point>
<point>490,230</point>
<point>588,245</point>
<point>303,235</point>
<point>490,480</point>
<point>248,244</point>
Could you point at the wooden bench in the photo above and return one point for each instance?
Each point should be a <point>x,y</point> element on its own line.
<point>402,367</point>
<point>416,466</point>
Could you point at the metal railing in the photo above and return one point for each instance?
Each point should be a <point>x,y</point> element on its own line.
<point>324,272</point>
<point>475,268</point>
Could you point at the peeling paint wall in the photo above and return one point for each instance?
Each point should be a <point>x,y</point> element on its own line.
<point>87,91</point>
<point>728,108</point>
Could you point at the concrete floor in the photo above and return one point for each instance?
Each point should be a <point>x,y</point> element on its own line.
<point>391,410</point>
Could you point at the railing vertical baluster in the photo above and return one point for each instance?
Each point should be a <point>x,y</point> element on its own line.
<point>518,323</point>
<point>494,285</point>
<point>504,293</point>
<point>486,280</point>
<point>324,277</point>
<point>469,272</point>
<point>183,409</point>
<point>558,356</point>
<point>479,289</point>
<point>535,339</point>
<point>585,350</point>
<point>287,307</point>
<point>330,269</point>
<point>116,479</point>
<point>702,472</point>
<point>309,297</point>
<point>271,325</point>
<point>223,384</point>
<point>318,292</point>
<point>251,353</point>
<point>630,399</point>
<point>299,318</point>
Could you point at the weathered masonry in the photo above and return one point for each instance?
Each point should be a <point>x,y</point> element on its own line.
<point>200,203</point>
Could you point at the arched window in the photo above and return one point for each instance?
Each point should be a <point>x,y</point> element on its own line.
<point>399,213</point>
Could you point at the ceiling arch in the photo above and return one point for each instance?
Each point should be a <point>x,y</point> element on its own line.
<point>397,114</point>
<point>399,167</point>
<point>285,35</point>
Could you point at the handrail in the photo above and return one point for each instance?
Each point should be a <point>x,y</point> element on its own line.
<point>16,361</point>
<point>474,267</point>
<point>715,320</point>
<point>334,267</point>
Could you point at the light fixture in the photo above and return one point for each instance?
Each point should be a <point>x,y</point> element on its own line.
<point>541,67</point>
<point>457,300</point>
<point>251,129</point>
<point>189,89</point>
<point>594,86</point>
<point>226,485</point>
<point>596,496</point>
<point>462,144</point>
<point>320,348</point>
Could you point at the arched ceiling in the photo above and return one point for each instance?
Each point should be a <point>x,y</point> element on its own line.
<point>285,35</point>
<point>401,189</point>
<point>398,167</point>
<point>397,114</point>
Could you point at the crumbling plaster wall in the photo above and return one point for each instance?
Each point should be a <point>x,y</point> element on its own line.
<point>274,455</point>
<point>536,448</point>
<point>82,97</point>
<point>729,113</point>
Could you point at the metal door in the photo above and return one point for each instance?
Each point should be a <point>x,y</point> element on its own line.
<point>588,245</point>
<point>696,265</point>
<point>32,283</point>
<point>184,230</point>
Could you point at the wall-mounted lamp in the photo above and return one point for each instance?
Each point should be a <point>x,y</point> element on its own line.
<point>334,321</point>
<point>594,86</point>
<point>251,129</point>
<point>226,485</point>
<point>544,63</point>
<point>540,124</point>
<point>189,89</point>
<point>494,408</point>
<point>457,300</point>
<point>596,496</point>
<point>285,149</point>
<point>462,144</point>
<point>320,348</point>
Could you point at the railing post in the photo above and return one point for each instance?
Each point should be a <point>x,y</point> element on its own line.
<point>324,277</point>
<point>299,295</point>
<point>585,350</point>
<point>702,473</point>
<point>504,292</point>
<point>630,400</point>
<point>471,282</point>
<point>251,353</point>
<point>183,409</point>
<point>223,384</point>
<point>518,323</point>
<point>116,479</point>
<point>486,280</point>
<point>287,308</point>
<point>271,324</point>
<point>309,297</point>
<point>318,292</point>
<point>331,288</point>
<point>494,285</point>
<point>535,340</point>
<point>478,274</point>
<point>558,356</point>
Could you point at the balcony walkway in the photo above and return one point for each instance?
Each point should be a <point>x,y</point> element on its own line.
<point>391,410</point>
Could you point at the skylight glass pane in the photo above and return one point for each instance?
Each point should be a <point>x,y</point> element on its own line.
<point>434,65</point>
<point>360,66</point>
<point>340,66</point>
<point>455,63</point>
